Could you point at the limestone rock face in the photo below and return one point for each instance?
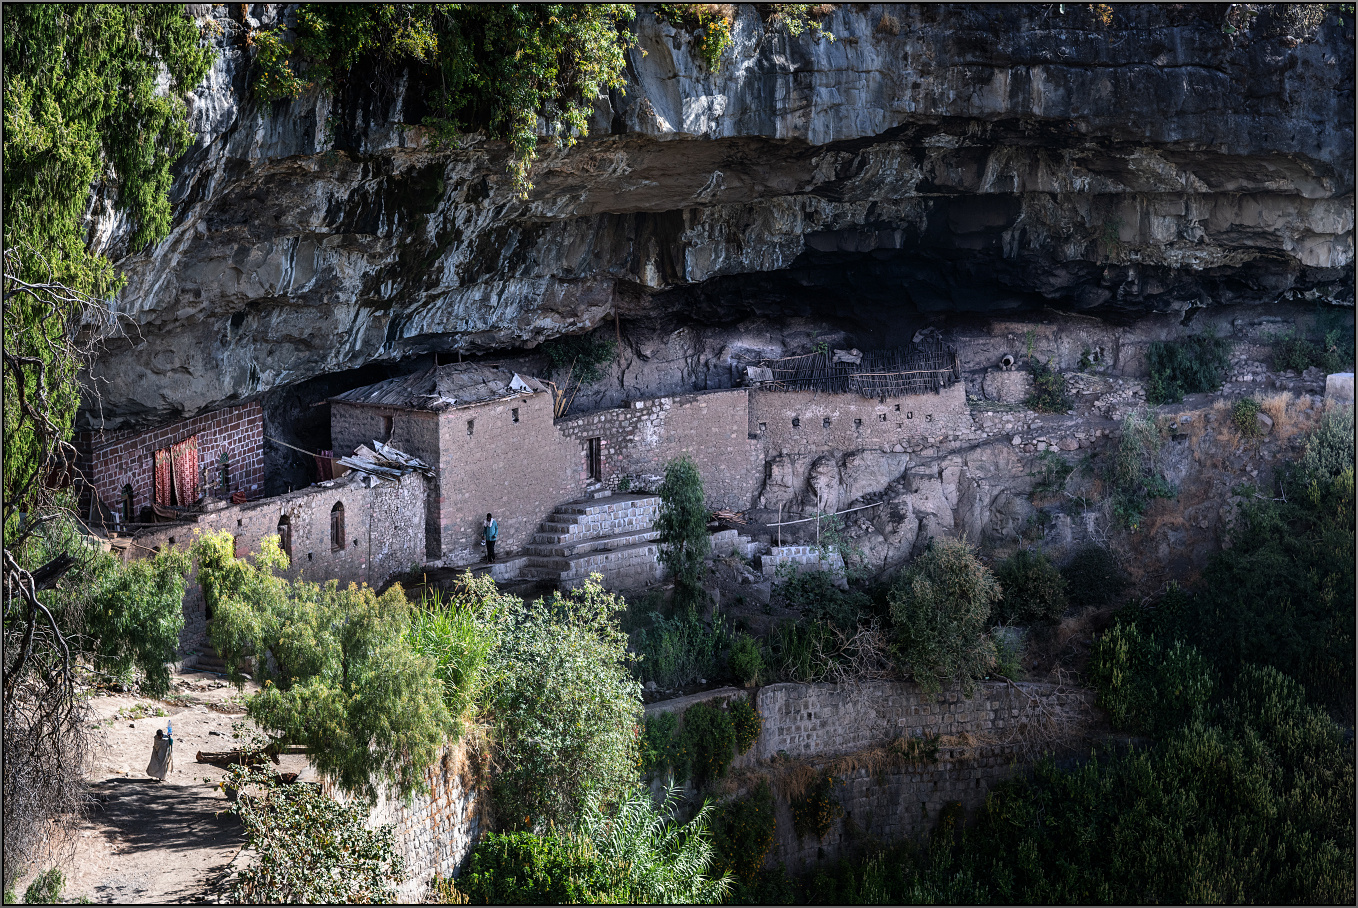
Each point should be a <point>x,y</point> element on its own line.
<point>931,159</point>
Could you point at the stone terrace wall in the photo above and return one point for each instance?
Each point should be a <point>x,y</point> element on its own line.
<point>711,427</point>
<point>819,722</point>
<point>384,535</point>
<point>119,458</point>
<point>434,832</point>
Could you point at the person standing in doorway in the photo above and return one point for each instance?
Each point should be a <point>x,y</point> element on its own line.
<point>491,531</point>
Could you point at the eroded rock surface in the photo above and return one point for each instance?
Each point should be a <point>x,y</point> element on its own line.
<point>932,159</point>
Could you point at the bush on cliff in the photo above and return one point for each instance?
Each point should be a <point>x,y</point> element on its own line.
<point>1192,365</point>
<point>682,527</point>
<point>940,608</point>
<point>1033,589</point>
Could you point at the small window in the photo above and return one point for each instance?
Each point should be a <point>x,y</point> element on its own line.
<point>514,414</point>
<point>898,408</point>
<point>171,540</point>
<point>285,536</point>
<point>858,423</point>
<point>881,417</point>
<point>796,423</point>
<point>471,426</point>
<point>386,428</point>
<point>825,422</point>
<point>337,527</point>
<point>240,523</point>
<point>308,556</point>
<point>763,426</point>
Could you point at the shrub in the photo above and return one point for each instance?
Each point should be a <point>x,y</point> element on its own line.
<point>582,357</point>
<point>815,595</point>
<point>1032,587</point>
<point>309,848</point>
<point>1294,352</point>
<point>1189,366</point>
<point>747,722</point>
<point>747,662</point>
<point>1093,577</point>
<point>1245,413</point>
<point>682,528</point>
<point>45,888</point>
<point>565,708</point>
<point>1051,473</point>
<point>1147,688</point>
<point>815,811</point>
<point>710,740</point>
<point>710,24</point>
<point>648,859</point>
<point>658,739</point>
<point>1049,389</point>
<point>794,648</point>
<point>1008,653</point>
<point>742,834</point>
<point>1135,472</point>
<point>521,868</point>
<point>1329,450</point>
<point>678,651</point>
<point>940,608</point>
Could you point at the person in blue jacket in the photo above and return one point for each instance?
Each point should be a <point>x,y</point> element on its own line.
<point>491,531</point>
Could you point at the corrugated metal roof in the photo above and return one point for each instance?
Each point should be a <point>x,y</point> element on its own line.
<point>443,387</point>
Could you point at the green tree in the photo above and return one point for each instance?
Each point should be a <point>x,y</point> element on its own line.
<point>339,672</point>
<point>682,525</point>
<point>1033,588</point>
<point>940,608</point>
<point>565,709</point>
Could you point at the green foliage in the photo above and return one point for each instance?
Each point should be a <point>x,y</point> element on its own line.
<point>747,723</point>
<point>581,356</point>
<point>45,888</point>
<point>682,527</point>
<point>566,710</point>
<point>661,746</point>
<point>1008,654</point>
<point>742,833</point>
<point>1135,472</point>
<point>1244,413</point>
<point>1282,595</point>
<point>635,855</point>
<point>1049,389</point>
<point>1093,577</point>
<point>1189,366</point>
<point>816,595</point>
<point>940,607</point>
<point>815,811</point>
<point>1034,590</point>
<point>521,868</point>
<point>649,859</point>
<point>1148,688</point>
<point>710,24</point>
<point>309,848</point>
<point>1254,808</point>
<point>490,67</point>
<point>1051,473</point>
<point>710,739</point>
<point>456,631</point>
<point>746,661</point>
<point>123,617</point>
<point>798,17</point>
<point>793,649</point>
<point>1333,354</point>
<point>678,651</point>
<point>339,672</point>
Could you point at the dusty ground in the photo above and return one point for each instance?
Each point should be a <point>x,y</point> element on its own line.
<point>152,842</point>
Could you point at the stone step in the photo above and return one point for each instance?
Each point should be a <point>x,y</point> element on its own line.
<point>562,548</point>
<point>579,567</point>
<point>611,504</point>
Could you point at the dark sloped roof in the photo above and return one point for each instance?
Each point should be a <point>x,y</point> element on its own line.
<point>443,387</point>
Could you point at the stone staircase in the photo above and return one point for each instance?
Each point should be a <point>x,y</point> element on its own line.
<point>610,535</point>
<point>209,660</point>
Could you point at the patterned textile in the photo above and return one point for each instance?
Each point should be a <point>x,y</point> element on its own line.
<point>324,466</point>
<point>163,477</point>
<point>185,458</point>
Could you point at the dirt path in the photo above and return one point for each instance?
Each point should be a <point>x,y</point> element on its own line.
<point>152,842</point>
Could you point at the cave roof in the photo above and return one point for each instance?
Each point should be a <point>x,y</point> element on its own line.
<point>444,388</point>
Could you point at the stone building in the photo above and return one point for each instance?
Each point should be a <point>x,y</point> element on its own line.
<point>178,463</point>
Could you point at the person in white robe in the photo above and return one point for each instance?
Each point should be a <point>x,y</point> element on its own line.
<point>162,757</point>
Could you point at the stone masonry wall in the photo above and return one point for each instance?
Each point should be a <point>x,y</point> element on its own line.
<point>848,422</point>
<point>123,458</point>
<point>711,427</point>
<point>819,722</point>
<point>436,831</point>
<point>384,535</point>
<point>517,470</point>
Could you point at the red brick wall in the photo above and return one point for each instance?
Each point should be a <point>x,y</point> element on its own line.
<point>124,457</point>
